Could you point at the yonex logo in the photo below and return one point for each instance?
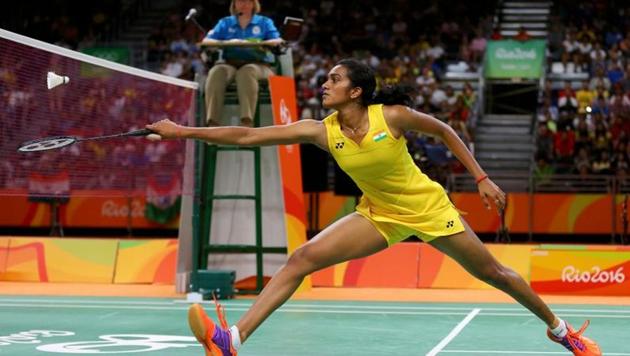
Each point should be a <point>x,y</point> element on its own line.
<point>450,224</point>
<point>339,145</point>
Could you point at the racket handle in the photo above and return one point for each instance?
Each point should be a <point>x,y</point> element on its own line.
<point>141,132</point>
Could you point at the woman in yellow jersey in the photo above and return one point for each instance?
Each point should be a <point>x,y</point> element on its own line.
<point>365,135</point>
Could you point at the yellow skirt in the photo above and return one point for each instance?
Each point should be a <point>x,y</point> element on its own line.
<point>395,228</point>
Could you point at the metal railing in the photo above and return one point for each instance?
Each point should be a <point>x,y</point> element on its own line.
<point>556,183</point>
<point>616,187</point>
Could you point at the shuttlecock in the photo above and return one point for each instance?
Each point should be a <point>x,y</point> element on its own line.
<point>53,80</point>
<point>154,137</point>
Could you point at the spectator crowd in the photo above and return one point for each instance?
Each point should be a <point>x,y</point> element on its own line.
<point>582,124</point>
<point>584,114</point>
<point>407,44</point>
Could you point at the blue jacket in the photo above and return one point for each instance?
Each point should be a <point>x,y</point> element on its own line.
<point>260,28</point>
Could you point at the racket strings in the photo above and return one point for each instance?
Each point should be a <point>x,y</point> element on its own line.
<point>50,143</point>
<point>46,144</point>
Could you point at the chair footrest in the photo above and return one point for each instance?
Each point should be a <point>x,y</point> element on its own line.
<point>233,197</point>
<point>236,148</point>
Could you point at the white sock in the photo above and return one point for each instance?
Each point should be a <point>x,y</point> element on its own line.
<point>561,330</point>
<point>236,337</point>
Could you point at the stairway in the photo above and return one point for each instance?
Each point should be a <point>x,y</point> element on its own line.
<point>136,34</point>
<point>531,15</point>
<point>504,147</point>
<point>504,143</point>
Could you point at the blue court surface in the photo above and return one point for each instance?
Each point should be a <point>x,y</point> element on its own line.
<point>48,325</point>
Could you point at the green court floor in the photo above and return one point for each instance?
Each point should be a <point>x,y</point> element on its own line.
<point>126,326</point>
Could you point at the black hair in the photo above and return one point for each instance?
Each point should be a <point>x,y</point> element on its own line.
<point>393,95</point>
<point>362,76</point>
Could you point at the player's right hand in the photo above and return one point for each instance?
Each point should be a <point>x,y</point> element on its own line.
<point>166,128</point>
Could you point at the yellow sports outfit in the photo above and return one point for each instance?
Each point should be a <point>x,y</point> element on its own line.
<point>397,198</point>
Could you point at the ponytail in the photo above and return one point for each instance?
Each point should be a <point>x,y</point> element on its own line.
<point>393,95</point>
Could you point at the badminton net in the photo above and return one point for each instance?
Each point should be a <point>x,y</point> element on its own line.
<point>101,98</point>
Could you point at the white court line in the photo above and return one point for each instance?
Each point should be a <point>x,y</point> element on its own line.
<point>462,324</point>
<point>411,307</point>
<point>297,309</point>
<point>80,301</point>
<point>564,315</point>
<point>91,306</point>
<point>281,310</point>
<point>291,304</point>
<point>290,308</point>
<point>396,307</point>
<point>520,352</point>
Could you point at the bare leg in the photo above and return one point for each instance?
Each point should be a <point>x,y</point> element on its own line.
<point>469,251</point>
<point>350,237</point>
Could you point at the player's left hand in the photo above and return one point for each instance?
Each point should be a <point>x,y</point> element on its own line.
<point>490,192</point>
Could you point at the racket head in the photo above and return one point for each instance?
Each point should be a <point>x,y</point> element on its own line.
<point>48,143</point>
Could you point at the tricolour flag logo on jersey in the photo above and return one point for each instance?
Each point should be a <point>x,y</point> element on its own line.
<point>379,136</point>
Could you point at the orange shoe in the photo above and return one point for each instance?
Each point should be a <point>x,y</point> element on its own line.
<point>216,340</point>
<point>577,343</point>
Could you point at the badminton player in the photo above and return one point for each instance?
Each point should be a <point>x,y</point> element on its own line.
<point>365,135</point>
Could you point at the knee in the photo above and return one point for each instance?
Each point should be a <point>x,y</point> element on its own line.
<point>494,274</point>
<point>217,71</point>
<point>303,261</point>
<point>247,72</point>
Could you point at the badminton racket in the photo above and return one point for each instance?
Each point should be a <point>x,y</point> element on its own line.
<point>52,143</point>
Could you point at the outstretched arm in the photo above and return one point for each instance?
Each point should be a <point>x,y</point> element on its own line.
<point>303,131</point>
<point>402,118</point>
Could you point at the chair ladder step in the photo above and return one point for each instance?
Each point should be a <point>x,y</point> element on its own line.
<point>244,249</point>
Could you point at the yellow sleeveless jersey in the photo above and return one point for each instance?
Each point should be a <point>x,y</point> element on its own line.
<point>397,198</point>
